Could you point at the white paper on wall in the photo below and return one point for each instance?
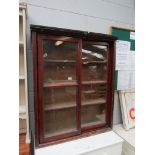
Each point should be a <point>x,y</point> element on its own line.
<point>131,60</point>
<point>122,55</point>
<point>125,80</point>
<point>132,79</point>
<point>132,35</point>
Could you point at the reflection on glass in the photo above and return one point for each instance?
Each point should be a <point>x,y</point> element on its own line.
<point>91,72</point>
<point>59,72</point>
<point>55,124</point>
<point>59,98</point>
<point>59,50</point>
<point>93,100</point>
<point>93,52</point>
<point>92,115</point>
<point>59,60</point>
<point>94,60</point>
<point>93,94</point>
<point>59,103</point>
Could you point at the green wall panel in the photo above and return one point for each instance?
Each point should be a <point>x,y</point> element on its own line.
<point>125,36</point>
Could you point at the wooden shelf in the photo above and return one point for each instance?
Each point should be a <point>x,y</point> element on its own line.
<point>99,119</point>
<point>60,132</point>
<point>22,115</point>
<point>73,104</point>
<point>59,61</point>
<point>94,102</point>
<point>21,29</point>
<point>64,83</point>
<point>94,62</point>
<point>20,13</point>
<point>60,106</point>
<point>93,91</point>
<point>22,5</point>
<point>93,82</point>
<point>91,124</point>
<point>22,125</point>
<point>22,130</point>
<point>21,43</point>
<point>23,91</point>
<point>22,109</point>
<point>21,77</point>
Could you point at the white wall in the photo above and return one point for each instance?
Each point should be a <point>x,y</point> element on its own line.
<point>86,15</point>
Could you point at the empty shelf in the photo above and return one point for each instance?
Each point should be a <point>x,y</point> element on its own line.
<point>94,82</point>
<point>59,61</point>
<point>22,109</point>
<point>60,106</point>
<point>64,83</point>
<point>21,43</point>
<point>60,132</point>
<point>94,102</point>
<point>91,124</point>
<point>22,77</point>
<point>94,62</point>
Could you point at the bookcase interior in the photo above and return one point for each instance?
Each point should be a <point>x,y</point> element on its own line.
<point>22,92</point>
<point>20,28</point>
<point>92,72</point>
<point>73,83</point>
<point>63,121</point>
<point>92,115</point>
<point>62,72</point>
<point>96,93</point>
<point>22,125</point>
<point>23,98</point>
<point>21,62</point>
<point>59,50</point>
<point>59,97</point>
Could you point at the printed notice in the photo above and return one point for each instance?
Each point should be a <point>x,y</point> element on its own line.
<point>126,80</point>
<point>132,60</point>
<point>131,79</point>
<point>123,80</point>
<point>122,55</point>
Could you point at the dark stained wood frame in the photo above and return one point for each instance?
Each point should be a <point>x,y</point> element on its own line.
<point>97,126</point>
<point>121,28</point>
<point>39,32</point>
<point>40,89</point>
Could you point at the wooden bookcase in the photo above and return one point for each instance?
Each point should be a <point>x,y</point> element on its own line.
<point>23,97</point>
<point>73,82</point>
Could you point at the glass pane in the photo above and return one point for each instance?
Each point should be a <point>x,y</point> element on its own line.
<point>94,52</point>
<point>93,94</point>
<point>59,73</point>
<point>57,98</point>
<point>93,101</point>
<point>94,61</point>
<point>94,72</point>
<point>92,115</point>
<point>59,60</point>
<point>59,110</point>
<point>59,122</point>
<point>59,50</point>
